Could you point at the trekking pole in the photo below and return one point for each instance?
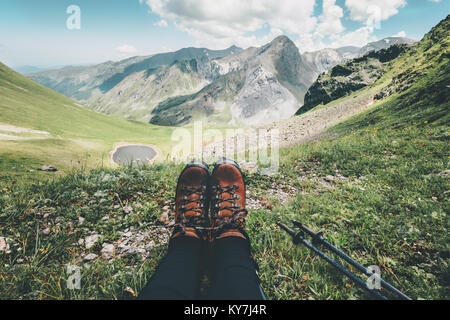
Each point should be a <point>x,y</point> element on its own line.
<point>298,237</point>
<point>318,237</point>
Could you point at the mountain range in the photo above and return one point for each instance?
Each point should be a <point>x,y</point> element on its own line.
<point>240,87</point>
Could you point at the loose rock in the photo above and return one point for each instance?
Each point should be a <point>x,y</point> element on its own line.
<point>108,251</point>
<point>91,240</point>
<point>127,210</point>
<point>90,256</point>
<point>80,220</point>
<point>4,244</point>
<point>164,218</point>
<point>48,168</point>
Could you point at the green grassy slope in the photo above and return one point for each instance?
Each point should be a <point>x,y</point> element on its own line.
<point>387,206</point>
<point>379,190</point>
<point>76,132</point>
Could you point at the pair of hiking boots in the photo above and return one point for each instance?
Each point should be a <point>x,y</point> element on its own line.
<point>210,206</point>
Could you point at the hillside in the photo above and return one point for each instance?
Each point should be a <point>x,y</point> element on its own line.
<point>351,76</point>
<point>139,93</point>
<point>86,82</point>
<point>382,44</point>
<point>384,72</point>
<point>51,128</point>
<point>324,60</point>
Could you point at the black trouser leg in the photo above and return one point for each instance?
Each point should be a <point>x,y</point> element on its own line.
<point>234,271</point>
<point>178,275</point>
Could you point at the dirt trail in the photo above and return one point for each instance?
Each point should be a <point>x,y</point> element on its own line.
<point>307,127</point>
<point>15,129</point>
<point>312,125</point>
<point>6,130</point>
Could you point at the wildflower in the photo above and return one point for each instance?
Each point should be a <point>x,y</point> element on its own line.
<point>425,121</point>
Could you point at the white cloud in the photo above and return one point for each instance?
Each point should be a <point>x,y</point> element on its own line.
<point>219,24</point>
<point>373,11</point>
<point>358,37</point>
<point>126,49</point>
<point>166,49</point>
<point>330,19</point>
<point>161,23</point>
<point>330,26</point>
<point>400,34</point>
<point>223,23</point>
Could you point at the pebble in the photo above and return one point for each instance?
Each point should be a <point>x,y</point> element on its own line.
<point>164,218</point>
<point>48,168</point>
<point>90,256</point>
<point>91,240</point>
<point>80,220</point>
<point>127,209</point>
<point>445,173</point>
<point>108,251</point>
<point>4,244</point>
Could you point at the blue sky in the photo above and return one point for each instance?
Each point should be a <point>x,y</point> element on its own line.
<point>35,32</point>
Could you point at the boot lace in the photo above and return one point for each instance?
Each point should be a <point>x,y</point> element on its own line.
<point>197,221</point>
<point>234,221</point>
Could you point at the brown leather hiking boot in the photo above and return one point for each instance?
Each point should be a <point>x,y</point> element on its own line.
<point>192,201</point>
<point>227,201</point>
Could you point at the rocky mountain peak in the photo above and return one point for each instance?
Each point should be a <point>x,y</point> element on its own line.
<point>283,43</point>
<point>281,39</point>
